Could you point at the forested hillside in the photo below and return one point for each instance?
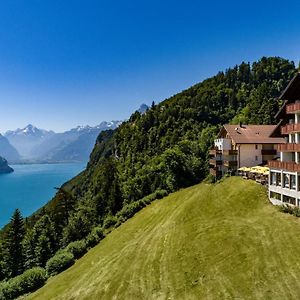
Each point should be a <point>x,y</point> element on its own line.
<point>159,151</point>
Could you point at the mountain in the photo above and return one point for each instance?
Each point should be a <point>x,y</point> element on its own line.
<point>8,151</point>
<point>143,108</point>
<point>4,167</point>
<point>27,138</point>
<point>40,145</point>
<point>155,153</point>
<point>204,242</point>
<point>73,145</point>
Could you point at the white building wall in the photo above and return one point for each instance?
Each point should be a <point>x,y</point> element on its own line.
<point>249,156</point>
<point>223,144</point>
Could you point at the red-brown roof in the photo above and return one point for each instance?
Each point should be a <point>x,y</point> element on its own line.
<point>252,134</point>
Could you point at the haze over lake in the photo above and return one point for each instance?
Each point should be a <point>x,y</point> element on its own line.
<point>31,186</point>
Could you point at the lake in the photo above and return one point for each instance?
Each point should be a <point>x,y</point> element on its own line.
<point>31,186</point>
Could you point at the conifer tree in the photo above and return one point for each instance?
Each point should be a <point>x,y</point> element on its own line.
<point>14,244</point>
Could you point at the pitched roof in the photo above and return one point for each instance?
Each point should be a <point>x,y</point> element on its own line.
<point>252,134</point>
<point>292,91</point>
<point>290,94</point>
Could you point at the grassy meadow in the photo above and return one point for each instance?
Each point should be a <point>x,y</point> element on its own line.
<point>221,241</point>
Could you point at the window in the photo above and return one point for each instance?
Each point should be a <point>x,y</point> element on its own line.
<point>273,178</point>
<point>290,200</point>
<point>286,180</point>
<point>256,158</point>
<point>275,196</point>
<point>278,179</point>
<point>293,182</point>
<point>256,147</point>
<point>293,138</point>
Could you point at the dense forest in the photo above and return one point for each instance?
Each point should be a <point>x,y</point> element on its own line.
<point>150,155</point>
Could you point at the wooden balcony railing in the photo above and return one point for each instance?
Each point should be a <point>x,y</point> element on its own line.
<point>268,152</point>
<point>284,165</point>
<point>291,147</point>
<point>289,128</point>
<point>230,163</point>
<point>214,152</point>
<point>230,152</point>
<point>215,162</point>
<point>292,108</point>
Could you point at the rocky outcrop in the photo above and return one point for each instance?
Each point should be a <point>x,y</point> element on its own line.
<point>4,167</point>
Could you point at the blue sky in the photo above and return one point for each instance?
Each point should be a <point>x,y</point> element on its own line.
<point>68,63</point>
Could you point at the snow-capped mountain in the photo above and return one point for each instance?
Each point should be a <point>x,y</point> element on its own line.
<point>39,145</point>
<point>25,139</point>
<point>77,143</point>
<point>29,130</point>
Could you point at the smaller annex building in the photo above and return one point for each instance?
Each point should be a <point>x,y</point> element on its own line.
<point>242,146</point>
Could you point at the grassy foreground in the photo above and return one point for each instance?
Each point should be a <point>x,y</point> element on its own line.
<point>220,241</point>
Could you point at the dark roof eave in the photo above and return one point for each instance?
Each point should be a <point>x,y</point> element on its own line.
<point>280,114</point>
<point>283,94</point>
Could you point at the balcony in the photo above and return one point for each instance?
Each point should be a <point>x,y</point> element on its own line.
<point>230,163</point>
<point>269,151</point>
<point>215,162</point>
<point>215,172</point>
<point>292,108</point>
<point>290,128</point>
<point>284,165</point>
<point>214,152</point>
<point>291,147</point>
<point>230,152</point>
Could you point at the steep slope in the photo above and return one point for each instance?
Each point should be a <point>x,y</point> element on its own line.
<point>222,241</point>
<point>8,151</point>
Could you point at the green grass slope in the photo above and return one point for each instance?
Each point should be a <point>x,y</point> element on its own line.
<point>220,241</point>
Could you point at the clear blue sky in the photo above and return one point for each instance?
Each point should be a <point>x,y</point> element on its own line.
<point>65,63</point>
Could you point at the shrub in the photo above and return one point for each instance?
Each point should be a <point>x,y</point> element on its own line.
<point>129,210</point>
<point>94,237</point>
<point>109,221</point>
<point>160,194</point>
<point>210,179</point>
<point>27,282</point>
<point>285,208</point>
<point>59,262</point>
<point>77,248</point>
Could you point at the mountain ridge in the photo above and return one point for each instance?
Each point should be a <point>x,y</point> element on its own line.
<point>40,145</point>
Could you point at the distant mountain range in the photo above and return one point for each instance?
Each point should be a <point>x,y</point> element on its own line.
<point>32,144</point>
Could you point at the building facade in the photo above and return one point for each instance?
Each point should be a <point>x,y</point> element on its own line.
<point>242,146</point>
<point>284,177</point>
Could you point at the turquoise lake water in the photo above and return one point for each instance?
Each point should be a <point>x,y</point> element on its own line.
<point>31,186</point>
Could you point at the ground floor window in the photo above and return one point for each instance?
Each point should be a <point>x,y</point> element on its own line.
<point>286,180</point>
<point>293,182</point>
<point>290,200</point>
<point>275,196</point>
<point>275,178</point>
